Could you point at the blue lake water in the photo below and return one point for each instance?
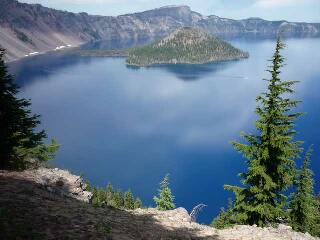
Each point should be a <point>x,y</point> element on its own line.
<point>131,126</point>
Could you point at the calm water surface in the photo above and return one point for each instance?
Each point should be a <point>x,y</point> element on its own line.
<point>131,126</point>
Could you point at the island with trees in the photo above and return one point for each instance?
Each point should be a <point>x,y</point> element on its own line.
<point>186,45</point>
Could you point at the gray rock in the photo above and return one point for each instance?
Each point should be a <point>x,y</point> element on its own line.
<point>60,182</point>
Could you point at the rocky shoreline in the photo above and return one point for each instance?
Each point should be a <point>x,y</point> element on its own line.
<point>53,204</point>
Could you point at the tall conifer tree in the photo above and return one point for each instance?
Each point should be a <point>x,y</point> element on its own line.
<point>303,205</point>
<point>19,141</point>
<point>270,153</point>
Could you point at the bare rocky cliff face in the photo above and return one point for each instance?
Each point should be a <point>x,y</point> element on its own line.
<point>53,204</point>
<point>32,28</point>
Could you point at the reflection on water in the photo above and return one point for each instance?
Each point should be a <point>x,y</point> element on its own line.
<point>117,44</point>
<point>42,67</point>
<point>131,126</point>
<point>189,72</point>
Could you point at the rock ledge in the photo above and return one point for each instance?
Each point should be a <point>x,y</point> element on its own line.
<point>53,204</point>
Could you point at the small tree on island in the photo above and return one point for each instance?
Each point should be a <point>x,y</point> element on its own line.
<point>165,199</point>
<point>270,153</point>
<point>19,141</point>
<point>303,207</point>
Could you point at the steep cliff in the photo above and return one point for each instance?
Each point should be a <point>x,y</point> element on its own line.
<point>30,28</point>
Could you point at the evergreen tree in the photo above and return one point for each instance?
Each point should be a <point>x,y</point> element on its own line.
<point>270,153</point>
<point>316,227</point>
<point>165,199</point>
<point>95,196</point>
<point>225,217</point>
<point>118,198</point>
<point>113,198</point>
<point>137,203</point>
<point>19,141</point>
<point>222,220</point>
<point>109,195</point>
<point>303,205</point>
<point>128,200</point>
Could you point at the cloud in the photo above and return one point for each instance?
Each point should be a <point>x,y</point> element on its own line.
<point>278,3</point>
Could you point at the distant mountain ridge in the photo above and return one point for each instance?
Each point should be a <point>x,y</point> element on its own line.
<point>29,28</point>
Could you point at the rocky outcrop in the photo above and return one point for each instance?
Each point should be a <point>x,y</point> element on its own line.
<point>35,204</point>
<point>32,28</point>
<point>56,181</point>
<point>282,232</point>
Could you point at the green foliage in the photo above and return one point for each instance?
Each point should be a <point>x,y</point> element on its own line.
<point>20,142</point>
<point>165,200</point>
<point>225,217</point>
<point>43,152</point>
<point>186,45</point>
<point>113,198</point>
<point>270,153</point>
<point>303,207</point>
<point>316,226</point>
<point>222,220</point>
<point>128,200</point>
<point>137,203</point>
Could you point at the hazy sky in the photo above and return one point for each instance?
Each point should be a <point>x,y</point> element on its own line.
<point>293,10</point>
